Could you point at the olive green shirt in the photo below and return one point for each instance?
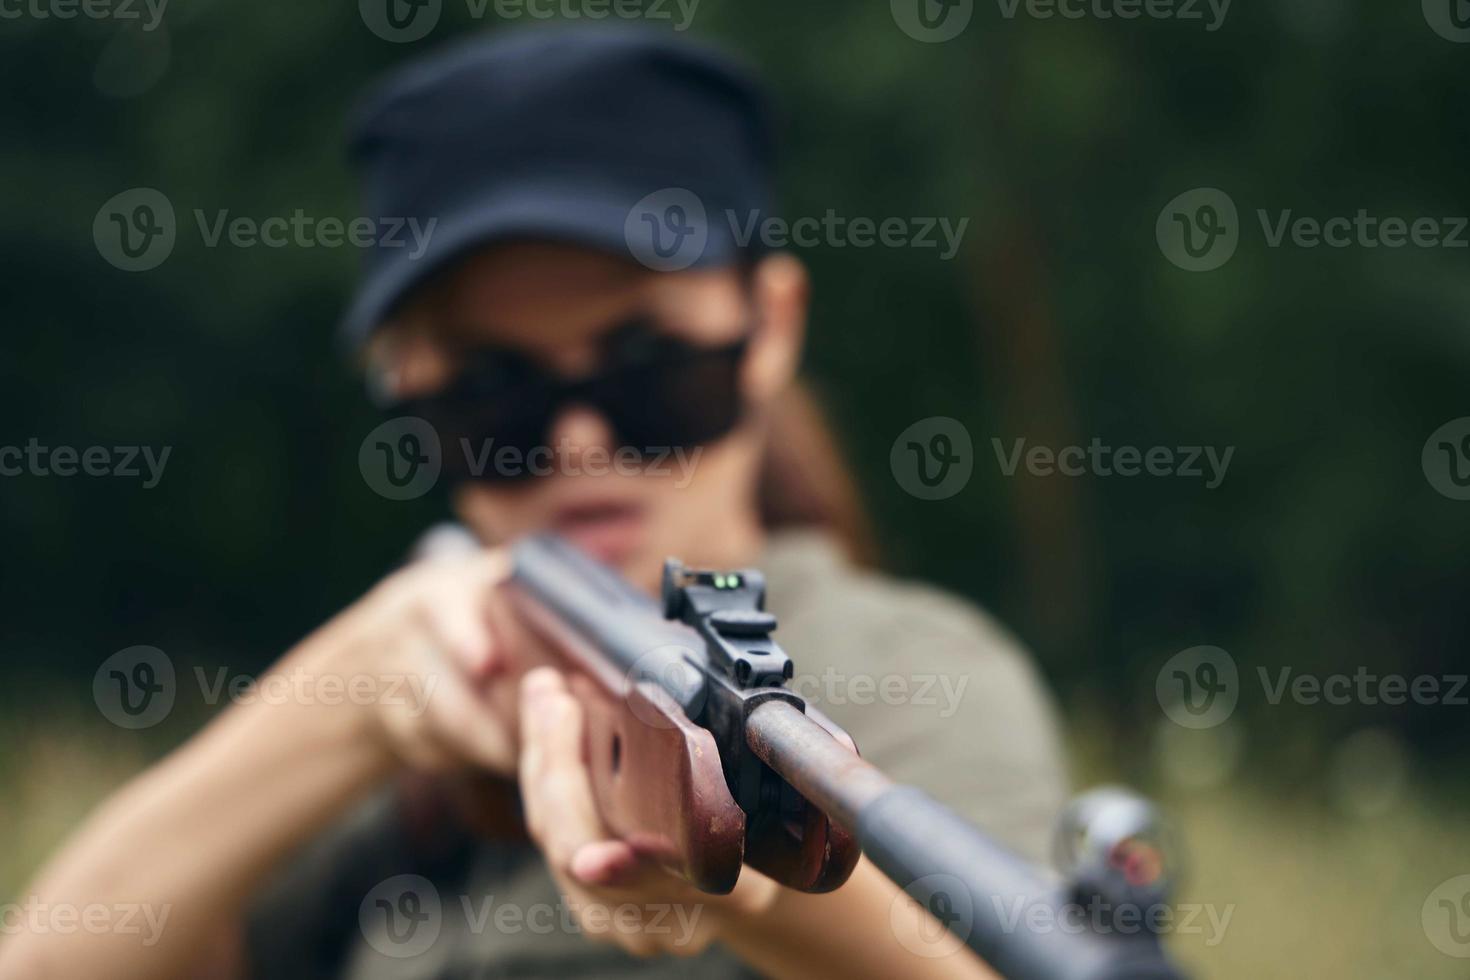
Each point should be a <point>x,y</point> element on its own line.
<point>933,691</point>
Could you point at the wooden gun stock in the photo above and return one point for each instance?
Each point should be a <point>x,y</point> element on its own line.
<point>659,779</point>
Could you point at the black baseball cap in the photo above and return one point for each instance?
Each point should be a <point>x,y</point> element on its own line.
<point>635,141</point>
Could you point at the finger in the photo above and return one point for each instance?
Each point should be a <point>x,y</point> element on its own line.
<point>458,718</point>
<point>606,864</point>
<point>460,614</point>
<point>460,624</point>
<point>555,787</point>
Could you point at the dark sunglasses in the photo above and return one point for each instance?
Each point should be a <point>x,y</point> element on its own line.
<point>659,393</point>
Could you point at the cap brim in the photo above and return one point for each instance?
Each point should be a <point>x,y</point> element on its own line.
<point>594,217</point>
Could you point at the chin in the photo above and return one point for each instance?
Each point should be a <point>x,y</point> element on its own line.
<point>644,568</point>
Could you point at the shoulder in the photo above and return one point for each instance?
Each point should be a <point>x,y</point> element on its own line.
<point>932,688</point>
<point>881,620</point>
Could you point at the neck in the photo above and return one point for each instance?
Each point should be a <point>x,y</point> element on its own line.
<point>734,542</point>
<point>737,543</point>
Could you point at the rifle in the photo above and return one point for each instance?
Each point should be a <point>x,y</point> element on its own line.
<point>703,760</point>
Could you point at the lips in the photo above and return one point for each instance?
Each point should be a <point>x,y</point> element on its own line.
<point>607,530</point>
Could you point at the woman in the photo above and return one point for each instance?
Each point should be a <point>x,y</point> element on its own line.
<point>362,839</point>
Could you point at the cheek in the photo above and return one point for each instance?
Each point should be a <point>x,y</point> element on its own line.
<point>493,515</point>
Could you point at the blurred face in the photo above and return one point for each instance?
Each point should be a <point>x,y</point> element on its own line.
<point>560,315</point>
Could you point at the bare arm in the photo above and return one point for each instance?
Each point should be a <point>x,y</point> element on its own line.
<point>866,928</point>
<point>192,840</point>
<point>188,842</point>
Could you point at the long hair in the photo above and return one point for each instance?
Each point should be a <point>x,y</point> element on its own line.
<point>806,482</point>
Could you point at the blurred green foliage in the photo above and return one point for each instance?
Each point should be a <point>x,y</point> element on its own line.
<point>1060,321</point>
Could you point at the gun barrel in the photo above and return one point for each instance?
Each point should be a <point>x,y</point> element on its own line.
<point>980,891</point>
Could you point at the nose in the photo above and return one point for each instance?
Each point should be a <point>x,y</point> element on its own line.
<point>577,429</point>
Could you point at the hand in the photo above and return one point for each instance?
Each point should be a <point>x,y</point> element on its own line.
<point>429,647</point>
<point>617,896</point>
